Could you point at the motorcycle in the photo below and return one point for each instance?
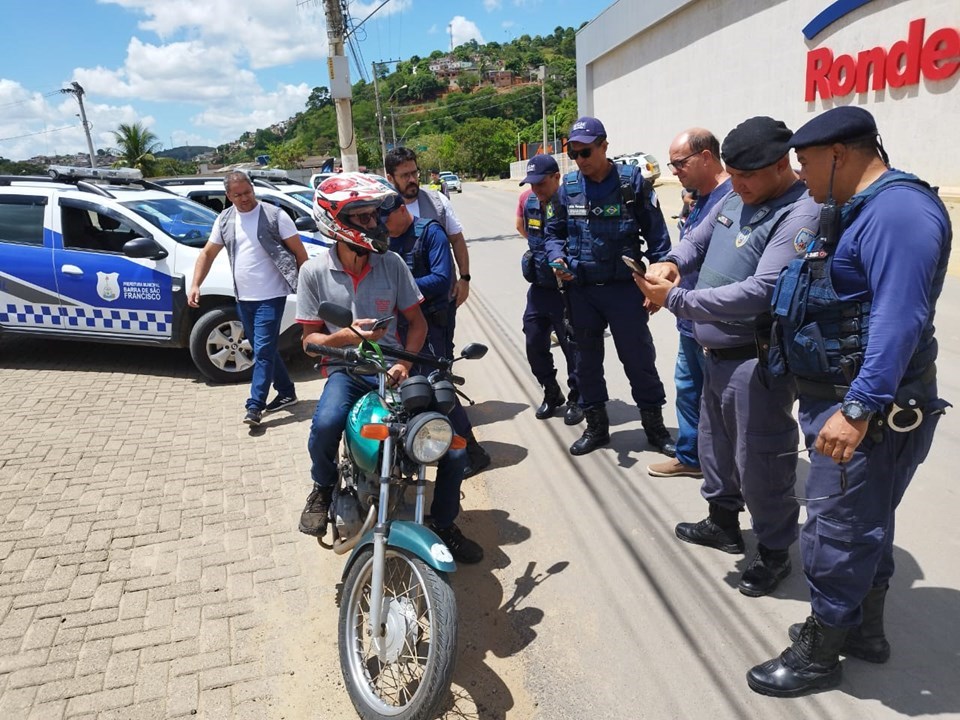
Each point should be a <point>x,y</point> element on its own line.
<point>398,614</point>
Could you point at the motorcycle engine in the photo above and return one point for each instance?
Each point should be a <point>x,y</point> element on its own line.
<point>347,513</point>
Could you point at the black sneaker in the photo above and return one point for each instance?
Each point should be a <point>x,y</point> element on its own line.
<point>463,549</point>
<point>478,459</point>
<point>316,512</point>
<point>253,417</point>
<point>280,402</point>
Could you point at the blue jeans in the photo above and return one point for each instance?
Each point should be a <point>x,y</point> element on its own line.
<point>261,323</point>
<point>688,377</point>
<point>339,394</point>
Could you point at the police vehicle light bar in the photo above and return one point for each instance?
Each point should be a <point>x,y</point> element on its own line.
<point>85,173</point>
<point>267,174</point>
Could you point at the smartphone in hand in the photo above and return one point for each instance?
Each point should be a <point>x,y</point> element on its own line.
<point>636,265</point>
<point>380,324</point>
<point>559,266</point>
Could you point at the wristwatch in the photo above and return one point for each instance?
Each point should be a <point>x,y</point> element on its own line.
<point>855,411</point>
<point>465,277</point>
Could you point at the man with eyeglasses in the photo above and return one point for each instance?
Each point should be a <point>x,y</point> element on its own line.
<point>695,161</point>
<point>605,211</point>
<point>404,173</point>
<point>747,433</point>
<point>854,321</point>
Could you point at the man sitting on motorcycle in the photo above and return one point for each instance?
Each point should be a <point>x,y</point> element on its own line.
<point>358,273</point>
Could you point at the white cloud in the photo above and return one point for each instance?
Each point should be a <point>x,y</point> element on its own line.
<point>491,5</point>
<point>507,24</point>
<point>464,30</point>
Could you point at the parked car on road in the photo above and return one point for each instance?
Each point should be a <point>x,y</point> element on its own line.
<point>104,255</point>
<point>452,181</point>
<point>649,167</point>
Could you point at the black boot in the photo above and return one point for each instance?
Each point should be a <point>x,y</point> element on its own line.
<point>811,663</point>
<point>313,519</point>
<point>720,530</point>
<point>866,641</point>
<point>478,459</point>
<point>766,571</point>
<point>552,399</point>
<point>657,435</point>
<point>574,413</point>
<point>597,433</point>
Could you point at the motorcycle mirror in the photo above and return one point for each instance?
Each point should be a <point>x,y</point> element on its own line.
<point>474,351</point>
<point>335,314</point>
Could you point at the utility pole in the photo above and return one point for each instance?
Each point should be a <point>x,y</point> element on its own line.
<point>543,104</point>
<point>383,141</point>
<point>77,90</point>
<point>340,89</point>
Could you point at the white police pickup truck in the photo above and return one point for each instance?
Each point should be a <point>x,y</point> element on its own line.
<point>104,255</point>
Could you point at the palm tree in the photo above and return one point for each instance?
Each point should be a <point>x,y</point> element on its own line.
<point>137,146</point>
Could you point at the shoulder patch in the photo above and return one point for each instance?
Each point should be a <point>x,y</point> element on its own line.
<point>724,220</point>
<point>804,241</point>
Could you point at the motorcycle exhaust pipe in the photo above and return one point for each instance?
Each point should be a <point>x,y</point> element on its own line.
<point>343,546</point>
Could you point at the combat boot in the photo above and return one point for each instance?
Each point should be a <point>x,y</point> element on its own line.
<point>720,530</point>
<point>597,433</point>
<point>657,435</point>
<point>552,399</point>
<point>866,641</point>
<point>313,519</point>
<point>811,663</point>
<point>574,413</point>
<point>766,571</point>
<point>478,459</point>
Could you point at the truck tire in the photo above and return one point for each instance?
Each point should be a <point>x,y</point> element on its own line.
<point>219,347</point>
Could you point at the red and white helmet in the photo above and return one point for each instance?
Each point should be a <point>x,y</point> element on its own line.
<point>345,193</point>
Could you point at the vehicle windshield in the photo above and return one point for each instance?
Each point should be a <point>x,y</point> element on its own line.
<point>187,222</point>
<point>304,196</point>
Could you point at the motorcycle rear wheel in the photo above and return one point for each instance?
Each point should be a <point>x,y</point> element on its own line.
<point>420,641</point>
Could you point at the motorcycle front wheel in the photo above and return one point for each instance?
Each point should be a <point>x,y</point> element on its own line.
<point>405,674</point>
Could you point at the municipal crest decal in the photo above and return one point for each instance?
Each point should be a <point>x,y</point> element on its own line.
<point>108,288</point>
<point>804,241</point>
<point>743,236</point>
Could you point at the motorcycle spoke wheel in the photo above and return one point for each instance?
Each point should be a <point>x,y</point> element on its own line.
<point>406,672</point>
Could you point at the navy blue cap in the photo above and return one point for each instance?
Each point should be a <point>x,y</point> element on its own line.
<point>586,130</point>
<point>756,143</point>
<point>539,167</point>
<point>835,126</point>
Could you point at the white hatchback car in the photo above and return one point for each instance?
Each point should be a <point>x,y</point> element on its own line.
<point>648,164</point>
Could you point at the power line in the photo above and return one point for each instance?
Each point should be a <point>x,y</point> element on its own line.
<point>40,132</point>
<point>514,98</point>
<point>24,102</point>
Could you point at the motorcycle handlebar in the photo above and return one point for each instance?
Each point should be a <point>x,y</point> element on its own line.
<point>346,354</point>
<point>352,355</point>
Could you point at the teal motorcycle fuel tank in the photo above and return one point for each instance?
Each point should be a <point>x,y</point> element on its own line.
<point>364,451</point>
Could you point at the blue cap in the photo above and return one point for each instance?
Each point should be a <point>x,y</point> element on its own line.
<point>586,130</point>
<point>539,167</point>
<point>835,126</point>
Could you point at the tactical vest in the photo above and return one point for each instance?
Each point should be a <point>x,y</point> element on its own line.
<point>819,337</point>
<point>431,207</point>
<point>268,233</point>
<point>535,264</point>
<point>724,266</point>
<point>599,233</point>
<point>415,255</point>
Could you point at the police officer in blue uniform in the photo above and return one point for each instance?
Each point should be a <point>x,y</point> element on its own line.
<point>853,322</point>
<point>747,433</point>
<point>605,211</point>
<point>544,312</point>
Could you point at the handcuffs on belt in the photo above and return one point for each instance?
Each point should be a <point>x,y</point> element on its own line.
<point>914,413</point>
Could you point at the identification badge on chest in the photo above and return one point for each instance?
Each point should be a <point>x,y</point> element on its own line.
<point>577,211</point>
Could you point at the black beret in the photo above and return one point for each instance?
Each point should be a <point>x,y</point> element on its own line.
<point>835,125</point>
<point>756,143</point>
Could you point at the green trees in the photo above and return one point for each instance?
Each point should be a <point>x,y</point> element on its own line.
<point>136,147</point>
<point>487,145</point>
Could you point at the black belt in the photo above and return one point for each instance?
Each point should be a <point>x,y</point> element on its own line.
<point>822,391</point>
<point>740,352</point>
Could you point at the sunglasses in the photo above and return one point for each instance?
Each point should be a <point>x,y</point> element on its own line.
<point>843,480</point>
<point>393,202</point>
<point>363,218</point>
<point>585,152</point>
<point>678,164</point>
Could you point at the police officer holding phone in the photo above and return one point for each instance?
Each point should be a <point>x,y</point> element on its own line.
<point>853,321</point>
<point>605,211</point>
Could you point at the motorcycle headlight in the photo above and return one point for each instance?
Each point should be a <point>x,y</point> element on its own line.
<point>428,437</point>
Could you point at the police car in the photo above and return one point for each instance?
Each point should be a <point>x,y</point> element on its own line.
<point>270,186</point>
<point>648,164</point>
<point>104,255</point>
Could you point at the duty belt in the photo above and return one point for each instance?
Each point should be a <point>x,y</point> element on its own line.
<point>740,352</point>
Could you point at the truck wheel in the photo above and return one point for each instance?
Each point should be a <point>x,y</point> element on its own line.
<point>219,348</point>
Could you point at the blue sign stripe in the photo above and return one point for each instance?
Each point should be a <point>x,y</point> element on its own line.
<point>829,16</point>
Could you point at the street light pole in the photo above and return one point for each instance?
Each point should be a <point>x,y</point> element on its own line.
<point>393,124</point>
<point>415,122</point>
<point>518,147</point>
<point>543,103</point>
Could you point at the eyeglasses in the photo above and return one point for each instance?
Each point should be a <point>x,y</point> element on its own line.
<point>363,218</point>
<point>585,152</point>
<point>843,480</point>
<point>678,164</point>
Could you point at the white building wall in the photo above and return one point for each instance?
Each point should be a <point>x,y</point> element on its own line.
<point>649,69</point>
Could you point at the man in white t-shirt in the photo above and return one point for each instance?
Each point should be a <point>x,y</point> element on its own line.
<point>265,254</point>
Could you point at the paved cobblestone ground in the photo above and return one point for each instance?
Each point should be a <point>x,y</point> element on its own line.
<point>149,563</point>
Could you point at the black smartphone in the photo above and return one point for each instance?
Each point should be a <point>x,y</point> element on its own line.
<point>636,265</point>
<point>381,323</point>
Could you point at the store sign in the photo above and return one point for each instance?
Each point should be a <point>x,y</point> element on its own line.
<point>933,56</point>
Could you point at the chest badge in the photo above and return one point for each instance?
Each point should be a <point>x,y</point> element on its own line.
<point>724,220</point>
<point>743,236</point>
<point>577,211</point>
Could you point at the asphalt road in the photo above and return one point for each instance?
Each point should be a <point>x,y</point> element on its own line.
<point>617,618</point>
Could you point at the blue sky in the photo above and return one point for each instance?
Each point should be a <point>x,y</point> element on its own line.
<point>204,71</point>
